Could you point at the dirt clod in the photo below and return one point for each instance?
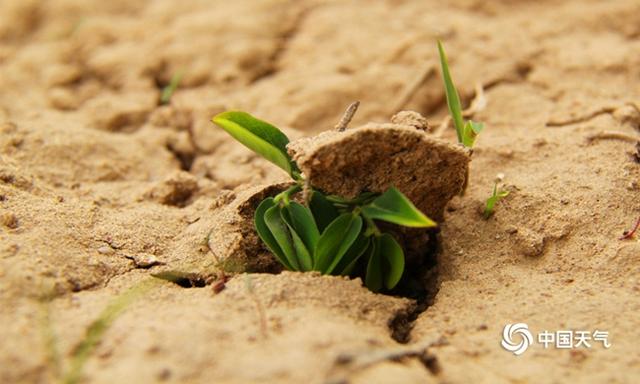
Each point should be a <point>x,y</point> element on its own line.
<point>411,119</point>
<point>9,220</point>
<point>175,190</point>
<point>233,239</point>
<point>374,157</point>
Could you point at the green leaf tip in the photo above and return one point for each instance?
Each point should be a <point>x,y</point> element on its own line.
<point>466,131</point>
<point>168,90</point>
<point>496,195</point>
<point>394,207</point>
<point>259,136</point>
<point>470,132</point>
<point>453,99</point>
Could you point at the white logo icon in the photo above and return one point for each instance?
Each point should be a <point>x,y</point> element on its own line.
<point>520,330</point>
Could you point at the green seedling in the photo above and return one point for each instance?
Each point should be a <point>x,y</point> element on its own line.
<point>93,334</point>
<point>496,195</point>
<point>325,233</point>
<point>168,90</point>
<point>466,131</point>
<point>332,234</point>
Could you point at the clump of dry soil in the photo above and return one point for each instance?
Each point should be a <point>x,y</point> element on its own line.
<point>95,174</point>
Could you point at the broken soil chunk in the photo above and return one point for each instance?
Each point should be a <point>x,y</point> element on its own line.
<point>374,157</point>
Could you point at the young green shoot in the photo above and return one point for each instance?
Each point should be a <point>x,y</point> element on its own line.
<point>97,329</point>
<point>170,88</point>
<point>496,195</point>
<point>93,334</point>
<point>325,233</point>
<point>467,131</point>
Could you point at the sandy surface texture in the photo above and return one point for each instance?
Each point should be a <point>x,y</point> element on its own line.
<point>101,186</point>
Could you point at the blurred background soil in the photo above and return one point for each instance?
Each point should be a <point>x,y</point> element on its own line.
<point>96,177</point>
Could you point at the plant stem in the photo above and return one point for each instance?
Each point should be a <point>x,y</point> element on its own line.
<point>285,196</point>
<point>372,228</point>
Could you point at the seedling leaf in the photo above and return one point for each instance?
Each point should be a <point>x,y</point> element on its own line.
<point>168,91</point>
<point>373,278</point>
<point>394,207</point>
<point>392,254</point>
<point>265,233</point>
<point>357,249</point>
<point>336,240</point>
<point>97,329</point>
<point>259,136</point>
<point>453,100</point>
<point>471,131</point>
<point>280,232</point>
<point>302,221</point>
<point>304,257</point>
<point>491,201</point>
<point>323,211</point>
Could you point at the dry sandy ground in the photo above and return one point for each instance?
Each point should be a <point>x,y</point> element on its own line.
<point>93,172</point>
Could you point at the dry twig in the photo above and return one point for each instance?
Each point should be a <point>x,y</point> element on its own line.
<point>347,116</point>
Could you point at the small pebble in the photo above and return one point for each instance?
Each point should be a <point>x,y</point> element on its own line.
<point>144,260</point>
<point>106,250</point>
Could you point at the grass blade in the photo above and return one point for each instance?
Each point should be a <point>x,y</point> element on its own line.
<point>168,91</point>
<point>453,100</point>
<point>97,329</point>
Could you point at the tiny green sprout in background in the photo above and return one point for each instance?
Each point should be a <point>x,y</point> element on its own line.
<point>329,234</point>
<point>496,195</point>
<point>466,131</point>
<point>168,90</point>
<point>94,333</point>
